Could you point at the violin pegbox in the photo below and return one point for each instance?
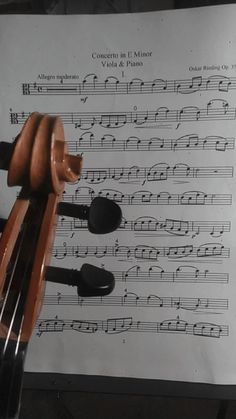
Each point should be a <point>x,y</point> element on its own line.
<point>39,161</point>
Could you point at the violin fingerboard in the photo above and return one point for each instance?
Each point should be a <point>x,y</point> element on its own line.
<point>12,357</point>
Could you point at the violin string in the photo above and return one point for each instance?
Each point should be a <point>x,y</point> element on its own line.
<point>21,289</point>
<point>8,341</point>
<point>7,348</point>
<point>12,323</point>
<point>15,374</point>
<point>11,373</point>
<point>15,351</point>
<point>23,281</point>
<point>12,346</point>
<point>12,275</point>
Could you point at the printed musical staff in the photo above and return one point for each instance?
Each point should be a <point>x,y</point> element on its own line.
<point>215,110</point>
<point>157,172</point>
<point>128,324</point>
<point>90,86</point>
<point>90,142</point>
<point>147,224</point>
<point>158,138</point>
<point>143,252</point>
<point>85,196</point>
<point>130,299</point>
<point>183,274</point>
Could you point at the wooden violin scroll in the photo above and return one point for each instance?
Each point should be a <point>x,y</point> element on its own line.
<point>40,163</point>
<point>40,159</point>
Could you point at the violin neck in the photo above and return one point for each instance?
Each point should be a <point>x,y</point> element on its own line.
<point>13,344</point>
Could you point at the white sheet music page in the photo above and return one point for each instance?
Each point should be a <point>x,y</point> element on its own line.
<point>150,101</point>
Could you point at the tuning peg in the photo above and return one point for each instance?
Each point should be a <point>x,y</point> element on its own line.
<point>90,281</point>
<point>6,151</point>
<point>3,222</point>
<point>103,215</point>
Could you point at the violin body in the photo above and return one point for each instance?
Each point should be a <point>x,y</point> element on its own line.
<point>39,162</point>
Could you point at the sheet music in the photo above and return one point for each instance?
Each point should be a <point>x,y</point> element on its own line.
<point>150,101</point>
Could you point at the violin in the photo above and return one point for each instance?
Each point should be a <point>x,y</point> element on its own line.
<point>39,162</point>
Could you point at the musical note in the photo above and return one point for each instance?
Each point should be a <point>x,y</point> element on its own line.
<point>220,83</point>
<point>117,325</point>
<point>216,107</point>
<point>135,85</point>
<point>207,329</point>
<point>112,120</point>
<point>174,325</point>
<point>61,252</point>
<point>212,249</point>
<point>111,84</point>
<point>131,299</point>
<point>128,324</point>
<point>59,297</point>
<point>194,85</point>
<point>54,325</point>
<point>84,326</point>
<point>88,84</point>
<point>147,252</point>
